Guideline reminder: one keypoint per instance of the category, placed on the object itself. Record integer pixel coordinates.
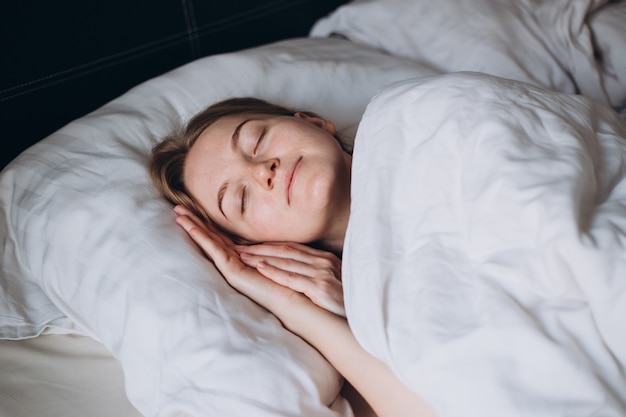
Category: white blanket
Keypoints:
(485, 259)
(569, 46)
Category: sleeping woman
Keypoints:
(477, 234)
(265, 192)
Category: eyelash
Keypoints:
(244, 197)
(258, 143)
(244, 191)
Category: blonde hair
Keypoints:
(168, 157)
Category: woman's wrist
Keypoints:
(297, 313)
(332, 337)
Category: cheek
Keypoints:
(263, 220)
(318, 192)
(271, 223)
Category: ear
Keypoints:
(324, 124)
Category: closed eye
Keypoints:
(258, 143)
(244, 198)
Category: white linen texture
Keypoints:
(485, 257)
(89, 245)
(569, 46)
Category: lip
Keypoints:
(289, 180)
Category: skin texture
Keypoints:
(312, 272)
(286, 179)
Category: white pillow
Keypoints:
(86, 239)
(545, 42)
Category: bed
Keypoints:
(109, 309)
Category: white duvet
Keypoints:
(565, 45)
(485, 259)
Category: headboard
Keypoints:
(62, 60)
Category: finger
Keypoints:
(326, 294)
(291, 250)
(213, 244)
(193, 230)
(292, 280)
(221, 252)
(314, 287)
(248, 281)
(180, 209)
(287, 246)
(184, 211)
(209, 227)
(295, 266)
(188, 223)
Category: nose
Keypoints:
(265, 173)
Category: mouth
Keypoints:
(289, 180)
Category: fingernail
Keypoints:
(247, 259)
(240, 248)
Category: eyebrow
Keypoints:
(234, 140)
(234, 143)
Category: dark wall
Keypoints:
(62, 59)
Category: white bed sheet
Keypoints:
(485, 258)
(70, 375)
(61, 376)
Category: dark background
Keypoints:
(62, 59)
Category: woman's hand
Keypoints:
(221, 250)
(294, 267)
(312, 272)
(327, 332)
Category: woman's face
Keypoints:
(271, 178)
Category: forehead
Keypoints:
(205, 157)
(212, 140)
(221, 124)
(208, 160)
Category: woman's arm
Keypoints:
(331, 335)
(327, 332)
